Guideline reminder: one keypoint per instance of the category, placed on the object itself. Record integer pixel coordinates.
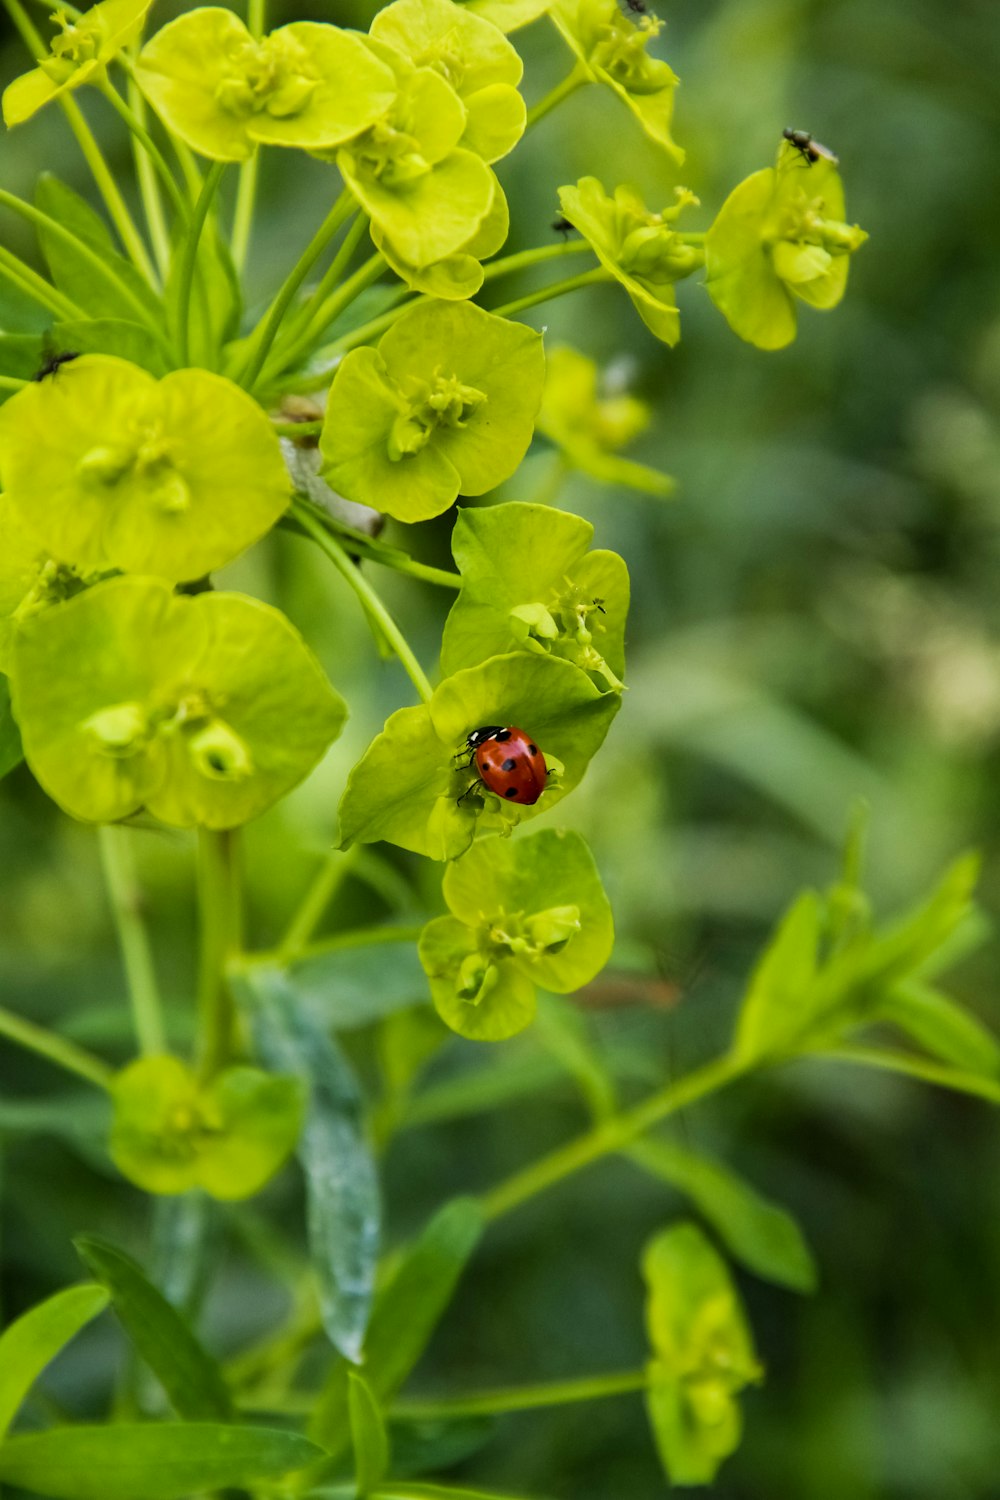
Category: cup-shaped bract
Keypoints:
(475, 58)
(524, 912)
(23, 566)
(80, 50)
(641, 249)
(508, 15)
(414, 787)
(459, 275)
(780, 237)
(589, 427)
(444, 405)
(703, 1354)
(425, 192)
(223, 91)
(203, 710)
(530, 583)
(111, 468)
(611, 45)
(170, 1132)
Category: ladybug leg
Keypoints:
(473, 785)
(471, 757)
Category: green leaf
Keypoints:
(776, 1005)
(191, 1378)
(353, 987)
(27, 1345)
(940, 1026)
(341, 1179)
(215, 304)
(21, 356)
(405, 1489)
(756, 1231)
(368, 1433)
(161, 1461)
(407, 1311)
(71, 275)
(121, 337)
(11, 753)
(566, 1032)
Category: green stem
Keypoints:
(266, 331)
(919, 1068)
(370, 330)
(108, 188)
(149, 187)
(246, 197)
(357, 544)
(149, 146)
(611, 1135)
(9, 383)
(526, 258)
(221, 939)
(126, 908)
(306, 316)
(369, 598)
(328, 879)
(335, 305)
(362, 937)
(298, 429)
(546, 293)
(573, 81)
(56, 1049)
(92, 258)
(521, 1397)
(199, 214)
(36, 287)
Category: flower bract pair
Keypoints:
(78, 54)
(204, 709)
(525, 912)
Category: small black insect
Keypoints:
(810, 150)
(637, 7)
(561, 226)
(52, 363)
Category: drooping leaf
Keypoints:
(341, 1179)
(756, 1231)
(28, 1344)
(191, 1378)
(368, 1433)
(158, 1461)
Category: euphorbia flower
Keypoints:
(82, 47)
(459, 275)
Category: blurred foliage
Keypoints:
(815, 617)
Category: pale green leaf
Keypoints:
(27, 1345)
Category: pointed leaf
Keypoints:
(941, 1026)
(70, 273)
(776, 1003)
(191, 1378)
(28, 1345)
(371, 1442)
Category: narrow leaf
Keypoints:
(776, 1006)
(409, 1490)
(157, 1461)
(941, 1026)
(756, 1231)
(74, 276)
(191, 1378)
(342, 1184)
(37, 1337)
(371, 1442)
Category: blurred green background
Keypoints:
(815, 618)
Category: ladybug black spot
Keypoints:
(511, 791)
(509, 765)
(532, 749)
(502, 734)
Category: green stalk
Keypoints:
(149, 187)
(246, 197)
(546, 293)
(301, 323)
(921, 1068)
(328, 879)
(526, 258)
(370, 330)
(126, 908)
(358, 545)
(297, 429)
(266, 331)
(611, 1135)
(369, 598)
(108, 188)
(336, 303)
(573, 81)
(220, 914)
(9, 383)
(37, 288)
(199, 214)
(56, 1049)
(358, 937)
(521, 1397)
(149, 146)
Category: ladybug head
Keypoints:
(479, 737)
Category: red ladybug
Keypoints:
(509, 763)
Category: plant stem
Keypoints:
(336, 303)
(56, 1049)
(525, 258)
(10, 383)
(573, 80)
(521, 1397)
(980, 1087)
(149, 146)
(369, 598)
(36, 287)
(126, 908)
(357, 544)
(197, 223)
(362, 937)
(370, 330)
(149, 187)
(611, 1135)
(545, 293)
(246, 196)
(307, 313)
(298, 429)
(113, 200)
(328, 879)
(221, 936)
(266, 331)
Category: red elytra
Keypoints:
(509, 762)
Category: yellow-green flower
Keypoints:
(81, 48)
(459, 275)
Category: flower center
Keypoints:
(274, 76)
(426, 405)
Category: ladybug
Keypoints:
(509, 763)
(811, 151)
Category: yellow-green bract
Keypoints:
(703, 1354)
(509, 15)
(171, 1133)
(111, 468)
(77, 55)
(223, 91)
(641, 249)
(530, 583)
(460, 274)
(446, 403)
(780, 236)
(204, 710)
(524, 912)
(409, 787)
